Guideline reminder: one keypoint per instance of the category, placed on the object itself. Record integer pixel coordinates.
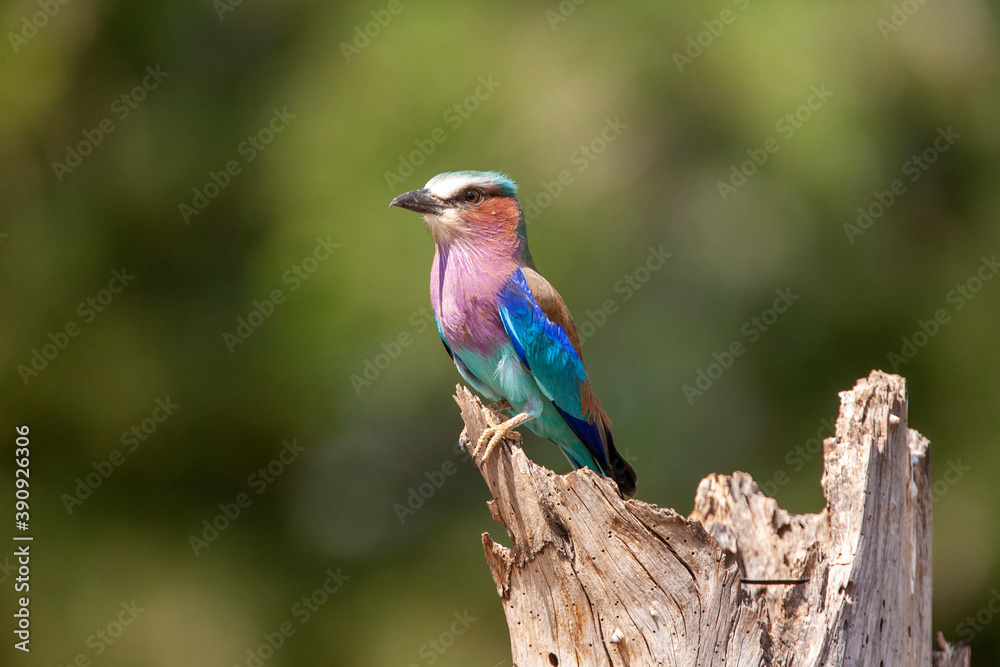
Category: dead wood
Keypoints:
(591, 579)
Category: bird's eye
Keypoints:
(473, 195)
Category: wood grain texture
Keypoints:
(591, 579)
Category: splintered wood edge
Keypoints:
(877, 389)
(501, 564)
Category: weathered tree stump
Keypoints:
(592, 579)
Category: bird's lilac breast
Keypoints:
(464, 292)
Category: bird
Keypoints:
(508, 331)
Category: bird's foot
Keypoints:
(499, 407)
(494, 433)
(489, 415)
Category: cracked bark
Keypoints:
(591, 579)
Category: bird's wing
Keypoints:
(545, 338)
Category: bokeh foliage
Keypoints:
(360, 112)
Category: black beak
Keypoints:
(420, 201)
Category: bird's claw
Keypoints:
(490, 415)
(494, 433)
(490, 436)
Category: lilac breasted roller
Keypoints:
(506, 328)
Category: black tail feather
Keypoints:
(620, 471)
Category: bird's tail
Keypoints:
(620, 471)
(596, 450)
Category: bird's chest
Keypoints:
(470, 321)
(465, 303)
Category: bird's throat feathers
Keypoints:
(495, 227)
(478, 257)
(471, 268)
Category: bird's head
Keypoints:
(469, 207)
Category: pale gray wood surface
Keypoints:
(591, 579)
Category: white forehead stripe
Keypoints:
(447, 186)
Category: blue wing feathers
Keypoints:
(509, 327)
(542, 345)
(589, 435)
(546, 350)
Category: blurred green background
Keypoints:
(218, 152)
